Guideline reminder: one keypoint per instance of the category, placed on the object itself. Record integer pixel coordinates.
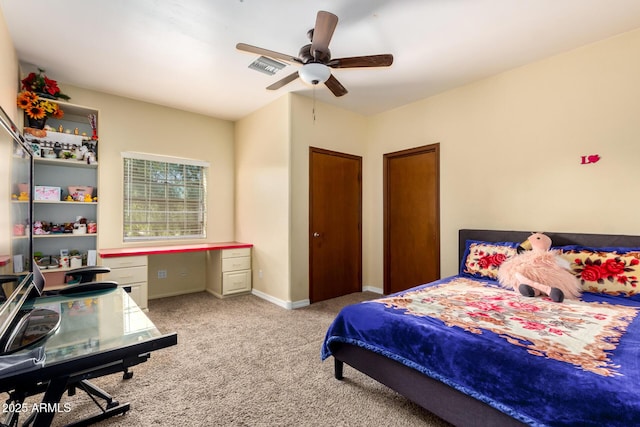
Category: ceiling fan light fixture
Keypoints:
(314, 73)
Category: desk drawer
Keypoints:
(235, 282)
(138, 292)
(238, 252)
(125, 261)
(127, 275)
(234, 264)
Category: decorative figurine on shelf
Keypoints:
(80, 226)
(87, 198)
(57, 148)
(94, 126)
(68, 198)
(81, 152)
(23, 197)
(39, 228)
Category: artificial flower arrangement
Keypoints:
(35, 99)
(38, 108)
(42, 85)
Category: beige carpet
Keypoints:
(246, 362)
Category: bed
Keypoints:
(476, 354)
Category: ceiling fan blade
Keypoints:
(362, 61)
(335, 86)
(266, 52)
(284, 81)
(323, 31)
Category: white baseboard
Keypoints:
(300, 304)
(292, 305)
(372, 289)
(289, 305)
(175, 293)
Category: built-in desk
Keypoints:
(228, 267)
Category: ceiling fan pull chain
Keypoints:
(313, 110)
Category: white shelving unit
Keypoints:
(64, 173)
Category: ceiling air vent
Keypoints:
(266, 65)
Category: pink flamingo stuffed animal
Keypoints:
(539, 271)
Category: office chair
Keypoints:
(85, 274)
(83, 279)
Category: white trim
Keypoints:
(277, 301)
(164, 159)
(300, 304)
(173, 294)
(292, 305)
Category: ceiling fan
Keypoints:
(315, 58)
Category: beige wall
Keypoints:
(511, 149)
(185, 274)
(129, 125)
(333, 129)
(272, 187)
(8, 91)
(262, 160)
(8, 71)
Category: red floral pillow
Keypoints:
(604, 271)
(482, 259)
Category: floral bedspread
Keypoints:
(544, 363)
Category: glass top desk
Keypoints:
(100, 333)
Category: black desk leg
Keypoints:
(50, 402)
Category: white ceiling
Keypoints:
(181, 53)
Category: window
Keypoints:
(164, 197)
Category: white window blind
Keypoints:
(164, 197)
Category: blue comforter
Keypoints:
(543, 363)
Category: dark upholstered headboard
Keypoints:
(558, 239)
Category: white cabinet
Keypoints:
(130, 272)
(229, 272)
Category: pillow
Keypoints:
(482, 259)
(612, 270)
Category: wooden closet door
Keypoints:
(335, 217)
(411, 218)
